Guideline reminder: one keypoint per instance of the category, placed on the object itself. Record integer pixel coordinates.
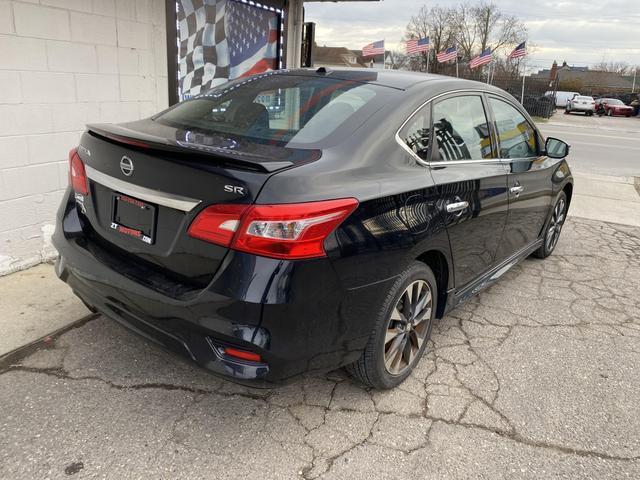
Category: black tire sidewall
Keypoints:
(416, 271)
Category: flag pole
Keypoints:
(428, 52)
(458, 76)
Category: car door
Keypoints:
(471, 183)
(528, 176)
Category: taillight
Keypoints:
(77, 174)
(290, 231)
(218, 223)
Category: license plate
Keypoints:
(134, 218)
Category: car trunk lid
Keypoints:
(148, 182)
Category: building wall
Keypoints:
(65, 63)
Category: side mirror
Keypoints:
(556, 148)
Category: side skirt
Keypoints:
(492, 276)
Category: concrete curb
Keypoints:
(10, 358)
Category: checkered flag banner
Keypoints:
(221, 40)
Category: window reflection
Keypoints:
(461, 130)
(517, 138)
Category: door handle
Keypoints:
(517, 190)
(457, 207)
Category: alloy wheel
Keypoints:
(555, 225)
(408, 327)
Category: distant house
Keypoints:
(584, 79)
(338, 57)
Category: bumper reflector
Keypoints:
(242, 354)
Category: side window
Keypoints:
(516, 136)
(416, 133)
(460, 128)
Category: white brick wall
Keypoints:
(63, 64)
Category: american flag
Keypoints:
(482, 59)
(448, 54)
(519, 51)
(253, 39)
(375, 48)
(220, 40)
(417, 45)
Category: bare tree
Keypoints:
(396, 60)
(465, 30)
(436, 24)
(482, 25)
(622, 68)
(495, 29)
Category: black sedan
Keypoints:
(306, 220)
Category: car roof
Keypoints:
(398, 79)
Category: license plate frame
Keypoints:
(133, 217)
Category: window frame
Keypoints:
(490, 126)
(538, 137)
(453, 93)
(428, 106)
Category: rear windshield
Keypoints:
(287, 110)
(613, 101)
(585, 98)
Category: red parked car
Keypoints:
(613, 106)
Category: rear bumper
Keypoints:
(295, 315)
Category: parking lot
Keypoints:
(535, 378)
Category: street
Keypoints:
(599, 145)
(534, 378)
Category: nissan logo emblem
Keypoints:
(126, 166)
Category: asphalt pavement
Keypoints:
(599, 145)
(537, 377)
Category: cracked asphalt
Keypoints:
(537, 377)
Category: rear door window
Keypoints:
(461, 130)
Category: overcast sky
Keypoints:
(582, 32)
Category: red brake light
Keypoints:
(77, 174)
(287, 231)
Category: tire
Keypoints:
(399, 328)
(553, 227)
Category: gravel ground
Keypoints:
(537, 377)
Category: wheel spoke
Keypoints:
(406, 351)
(407, 327)
(422, 305)
(392, 353)
(390, 334)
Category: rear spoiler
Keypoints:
(142, 141)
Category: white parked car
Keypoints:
(581, 103)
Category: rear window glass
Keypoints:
(585, 98)
(288, 110)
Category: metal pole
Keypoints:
(522, 92)
(633, 88)
(428, 52)
(457, 66)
